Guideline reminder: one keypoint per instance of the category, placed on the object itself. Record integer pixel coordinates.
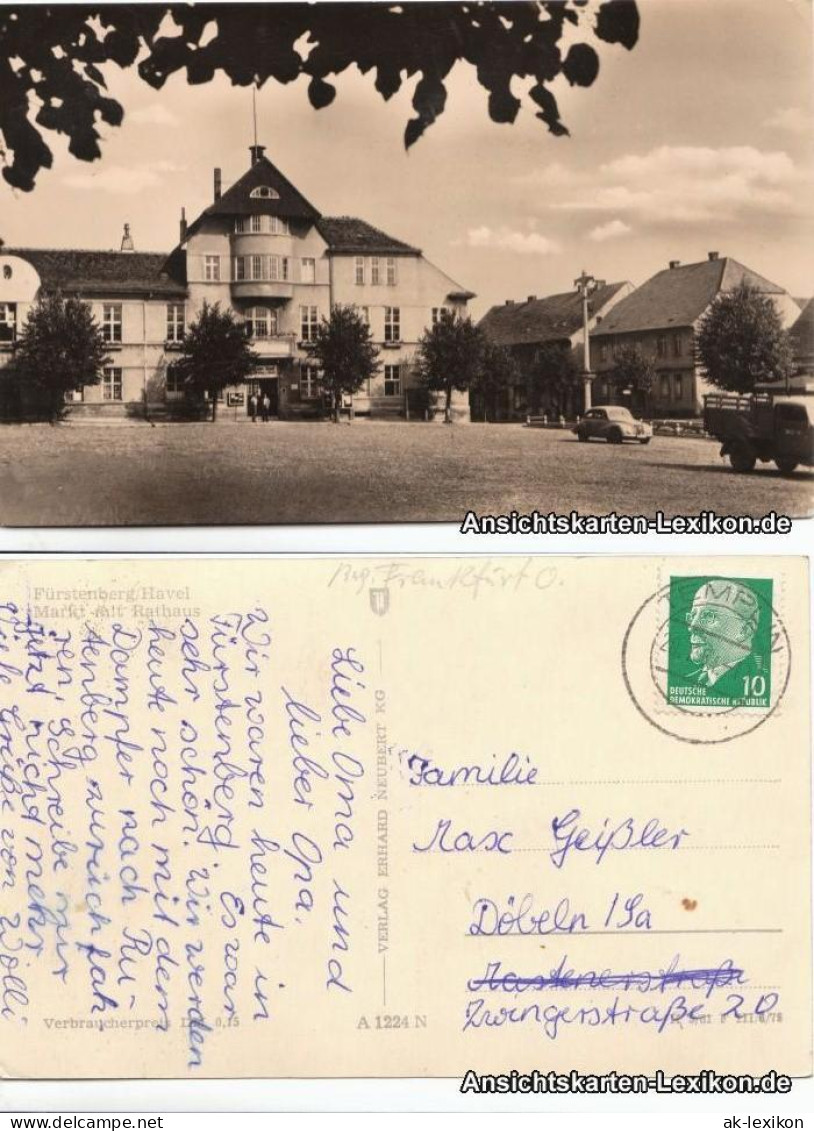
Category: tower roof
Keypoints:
(283, 199)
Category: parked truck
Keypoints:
(762, 426)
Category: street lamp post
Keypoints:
(586, 285)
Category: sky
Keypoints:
(698, 139)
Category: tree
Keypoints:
(554, 378)
(741, 341)
(344, 351)
(215, 353)
(498, 372)
(51, 57)
(450, 356)
(632, 370)
(60, 349)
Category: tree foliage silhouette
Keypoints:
(741, 341)
(51, 58)
(60, 349)
(215, 353)
(344, 351)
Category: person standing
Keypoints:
(253, 407)
(266, 403)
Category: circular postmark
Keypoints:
(707, 659)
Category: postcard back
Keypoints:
(404, 817)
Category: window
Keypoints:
(175, 383)
(260, 267)
(175, 322)
(112, 322)
(264, 192)
(212, 268)
(392, 380)
(392, 324)
(309, 323)
(308, 271)
(664, 385)
(8, 321)
(661, 346)
(375, 272)
(364, 314)
(112, 383)
(438, 313)
(391, 272)
(278, 268)
(360, 271)
(261, 223)
(678, 387)
(260, 322)
(309, 382)
(603, 351)
(677, 345)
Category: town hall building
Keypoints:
(263, 250)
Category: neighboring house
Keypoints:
(139, 305)
(264, 250)
(524, 328)
(801, 336)
(661, 318)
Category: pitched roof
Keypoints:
(347, 235)
(801, 334)
(678, 296)
(109, 272)
(550, 319)
(238, 200)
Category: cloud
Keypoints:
(506, 239)
(123, 180)
(156, 114)
(686, 183)
(790, 118)
(610, 231)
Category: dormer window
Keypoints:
(264, 192)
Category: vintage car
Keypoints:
(612, 423)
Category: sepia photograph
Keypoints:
(371, 263)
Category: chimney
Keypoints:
(127, 240)
(257, 152)
(509, 302)
(531, 298)
(712, 256)
(674, 263)
(183, 232)
(218, 184)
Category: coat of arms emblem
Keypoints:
(380, 601)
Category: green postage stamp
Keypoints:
(719, 642)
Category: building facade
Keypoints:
(661, 318)
(263, 250)
(529, 329)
